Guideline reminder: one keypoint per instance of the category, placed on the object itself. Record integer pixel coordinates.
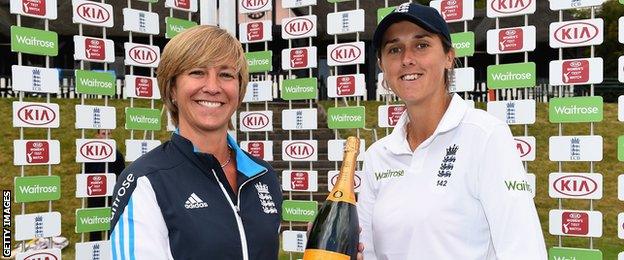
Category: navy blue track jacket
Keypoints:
(175, 203)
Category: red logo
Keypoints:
(96, 185)
(96, 150)
(93, 13)
(39, 256)
(575, 71)
(345, 85)
(143, 87)
(394, 113)
(510, 6)
(255, 120)
(298, 26)
(575, 223)
(299, 180)
(523, 147)
(186, 4)
(452, 9)
(356, 180)
(142, 55)
(36, 114)
(37, 152)
(34, 7)
(95, 49)
(299, 150)
(256, 149)
(299, 58)
(255, 31)
(510, 39)
(345, 53)
(575, 185)
(254, 4)
(576, 33)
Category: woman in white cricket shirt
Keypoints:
(436, 187)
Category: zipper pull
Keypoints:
(237, 209)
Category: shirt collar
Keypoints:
(452, 117)
(244, 164)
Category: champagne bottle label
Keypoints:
(317, 254)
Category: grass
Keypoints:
(609, 128)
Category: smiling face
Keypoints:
(206, 98)
(413, 61)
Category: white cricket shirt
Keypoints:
(462, 194)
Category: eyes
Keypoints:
(398, 48)
(223, 73)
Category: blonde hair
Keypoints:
(199, 46)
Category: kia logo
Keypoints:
(36, 114)
(451, 2)
(96, 150)
(255, 120)
(298, 26)
(523, 147)
(510, 6)
(39, 256)
(575, 185)
(576, 33)
(93, 13)
(254, 4)
(356, 180)
(345, 53)
(142, 54)
(510, 32)
(299, 150)
(576, 64)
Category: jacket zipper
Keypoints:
(236, 209)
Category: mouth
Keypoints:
(411, 77)
(209, 104)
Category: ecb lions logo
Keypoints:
(446, 167)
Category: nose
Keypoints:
(408, 58)
(212, 85)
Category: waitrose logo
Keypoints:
(518, 186)
(512, 75)
(95, 220)
(300, 211)
(34, 41)
(575, 110)
(32, 189)
(389, 174)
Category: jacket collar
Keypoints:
(454, 114)
(244, 163)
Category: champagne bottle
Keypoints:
(335, 231)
